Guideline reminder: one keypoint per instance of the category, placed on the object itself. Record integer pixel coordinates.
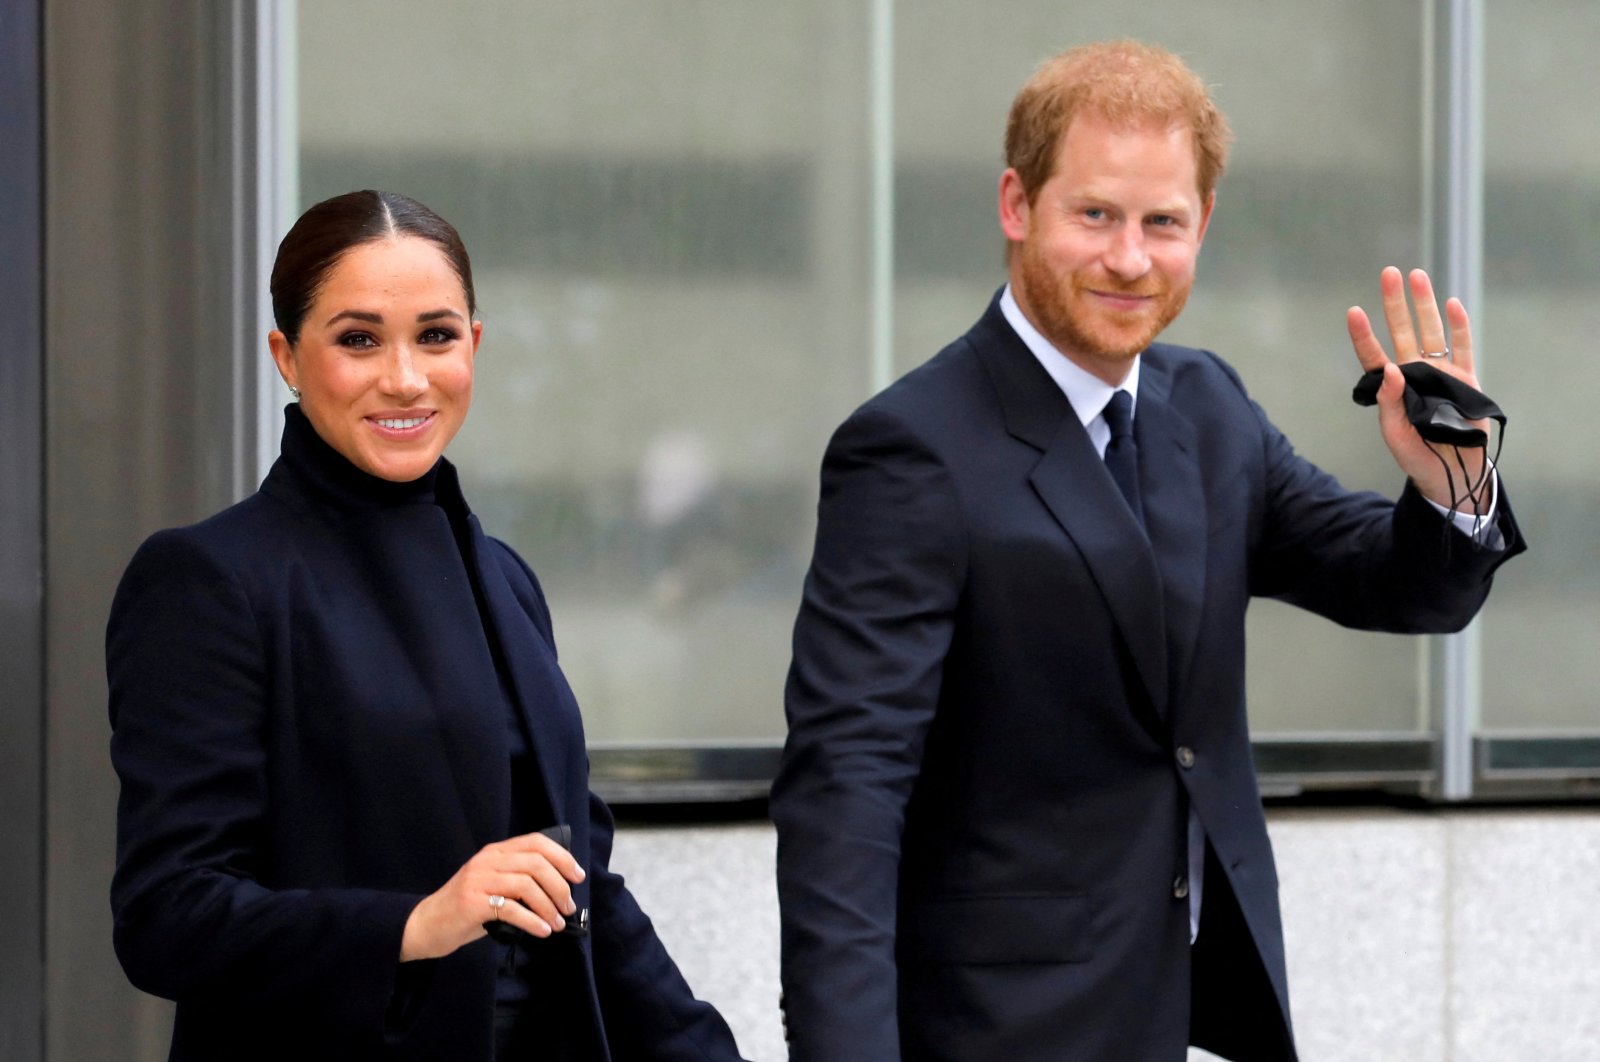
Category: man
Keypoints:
(1017, 815)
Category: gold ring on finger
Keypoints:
(495, 903)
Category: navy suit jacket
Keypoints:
(982, 803)
(311, 736)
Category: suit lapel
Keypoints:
(1174, 509)
(1074, 485)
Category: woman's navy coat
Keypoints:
(311, 737)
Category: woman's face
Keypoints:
(384, 359)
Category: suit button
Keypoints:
(1180, 887)
(1185, 757)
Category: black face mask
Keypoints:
(1437, 404)
(1440, 407)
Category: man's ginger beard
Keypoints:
(1064, 310)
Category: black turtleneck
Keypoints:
(343, 486)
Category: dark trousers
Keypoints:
(554, 1025)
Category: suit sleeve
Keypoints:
(1362, 560)
(648, 1008)
(189, 688)
(875, 624)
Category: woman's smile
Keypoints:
(402, 427)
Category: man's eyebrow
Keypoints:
(358, 315)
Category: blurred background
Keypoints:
(703, 232)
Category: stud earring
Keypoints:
(294, 392)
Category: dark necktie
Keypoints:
(1122, 453)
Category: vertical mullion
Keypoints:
(243, 44)
(22, 782)
(276, 167)
(1456, 226)
(882, 284)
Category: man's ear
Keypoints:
(1205, 216)
(1014, 206)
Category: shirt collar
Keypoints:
(1086, 391)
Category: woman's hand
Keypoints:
(532, 872)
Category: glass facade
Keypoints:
(664, 205)
(1541, 273)
(1318, 197)
(674, 219)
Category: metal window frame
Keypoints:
(1450, 761)
(1440, 763)
(1453, 214)
(22, 660)
(152, 134)
(274, 162)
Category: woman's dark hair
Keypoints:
(332, 227)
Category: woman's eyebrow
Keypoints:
(359, 315)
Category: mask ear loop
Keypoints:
(1478, 492)
(1475, 492)
(1472, 491)
(1446, 542)
(1486, 480)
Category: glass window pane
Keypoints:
(1323, 190)
(665, 206)
(1541, 272)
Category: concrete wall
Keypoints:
(1413, 936)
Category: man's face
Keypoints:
(1106, 251)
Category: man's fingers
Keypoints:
(1398, 315)
(1393, 386)
(1460, 337)
(1391, 407)
(1368, 350)
(1430, 325)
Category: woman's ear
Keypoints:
(283, 356)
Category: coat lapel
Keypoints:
(1074, 485)
(537, 685)
(1174, 510)
(1072, 482)
(409, 551)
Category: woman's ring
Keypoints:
(1445, 353)
(497, 902)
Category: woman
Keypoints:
(340, 726)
